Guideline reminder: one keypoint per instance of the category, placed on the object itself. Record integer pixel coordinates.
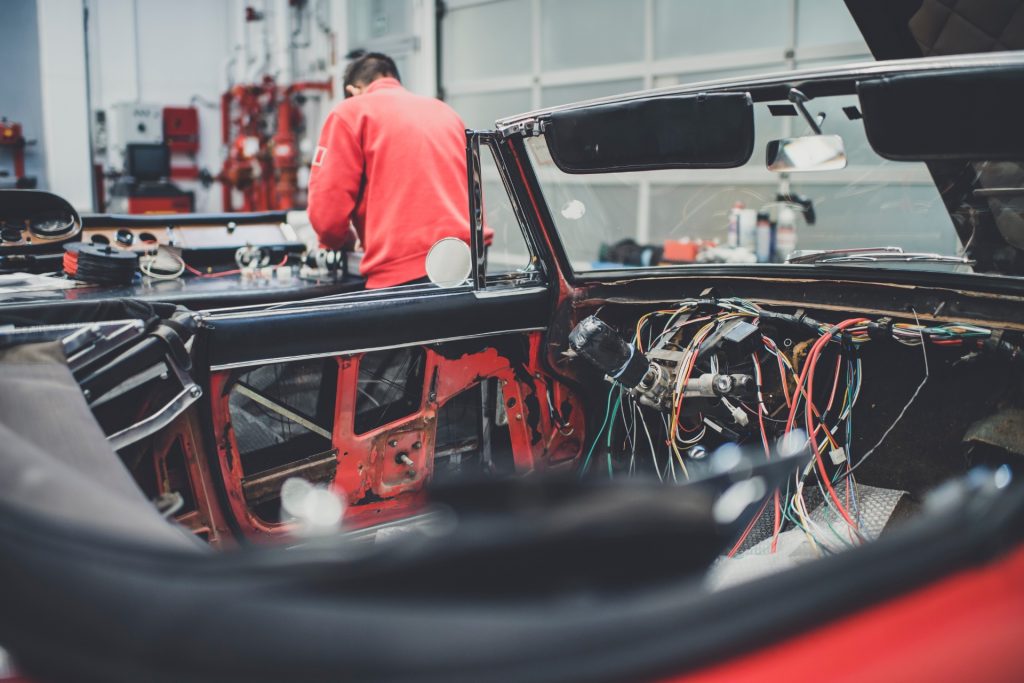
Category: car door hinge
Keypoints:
(528, 128)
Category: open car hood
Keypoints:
(905, 29)
(901, 29)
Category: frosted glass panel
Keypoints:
(508, 251)
(919, 221)
(908, 215)
(564, 94)
(480, 111)
(700, 211)
(599, 214)
(578, 33)
(481, 41)
(697, 27)
(374, 19)
(694, 77)
(825, 23)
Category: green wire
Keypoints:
(597, 437)
(618, 402)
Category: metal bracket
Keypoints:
(799, 99)
(189, 394)
(80, 342)
(528, 128)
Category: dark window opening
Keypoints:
(283, 413)
(473, 437)
(390, 387)
(457, 447)
(283, 420)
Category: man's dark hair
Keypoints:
(366, 67)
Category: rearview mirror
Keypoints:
(808, 153)
(449, 262)
(707, 130)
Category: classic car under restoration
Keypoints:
(607, 463)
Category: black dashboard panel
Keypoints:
(326, 329)
(33, 221)
(36, 228)
(194, 293)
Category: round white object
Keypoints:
(449, 262)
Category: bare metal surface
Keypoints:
(1004, 430)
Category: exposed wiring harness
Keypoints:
(799, 404)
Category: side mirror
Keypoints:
(449, 262)
(808, 153)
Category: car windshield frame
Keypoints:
(816, 83)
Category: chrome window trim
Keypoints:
(510, 124)
(350, 352)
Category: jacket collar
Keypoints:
(382, 84)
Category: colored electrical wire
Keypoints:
(673, 336)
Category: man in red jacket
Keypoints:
(393, 165)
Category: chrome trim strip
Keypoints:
(354, 295)
(212, 316)
(303, 306)
(158, 420)
(349, 352)
(855, 69)
(499, 293)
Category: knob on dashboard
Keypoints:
(35, 220)
(125, 237)
(10, 235)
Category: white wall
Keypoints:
(65, 123)
(182, 52)
(504, 57)
(403, 29)
(169, 54)
(20, 92)
(186, 52)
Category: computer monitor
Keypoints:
(147, 161)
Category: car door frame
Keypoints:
(480, 321)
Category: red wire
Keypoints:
(807, 375)
(689, 371)
(777, 523)
(700, 421)
(784, 378)
(812, 363)
(835, 384)
(199, 273)
(750, 527)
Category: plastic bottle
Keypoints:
(733, 236)
(763, 248)
(748, 227)
(785, 239)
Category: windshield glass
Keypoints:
(674, 217)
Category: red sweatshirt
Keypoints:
(394, 164)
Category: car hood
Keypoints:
(901, 29)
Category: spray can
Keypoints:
(748, 227)
(763, 244)
(733, 236)
(785, 239)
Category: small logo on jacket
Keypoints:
(318, 158)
